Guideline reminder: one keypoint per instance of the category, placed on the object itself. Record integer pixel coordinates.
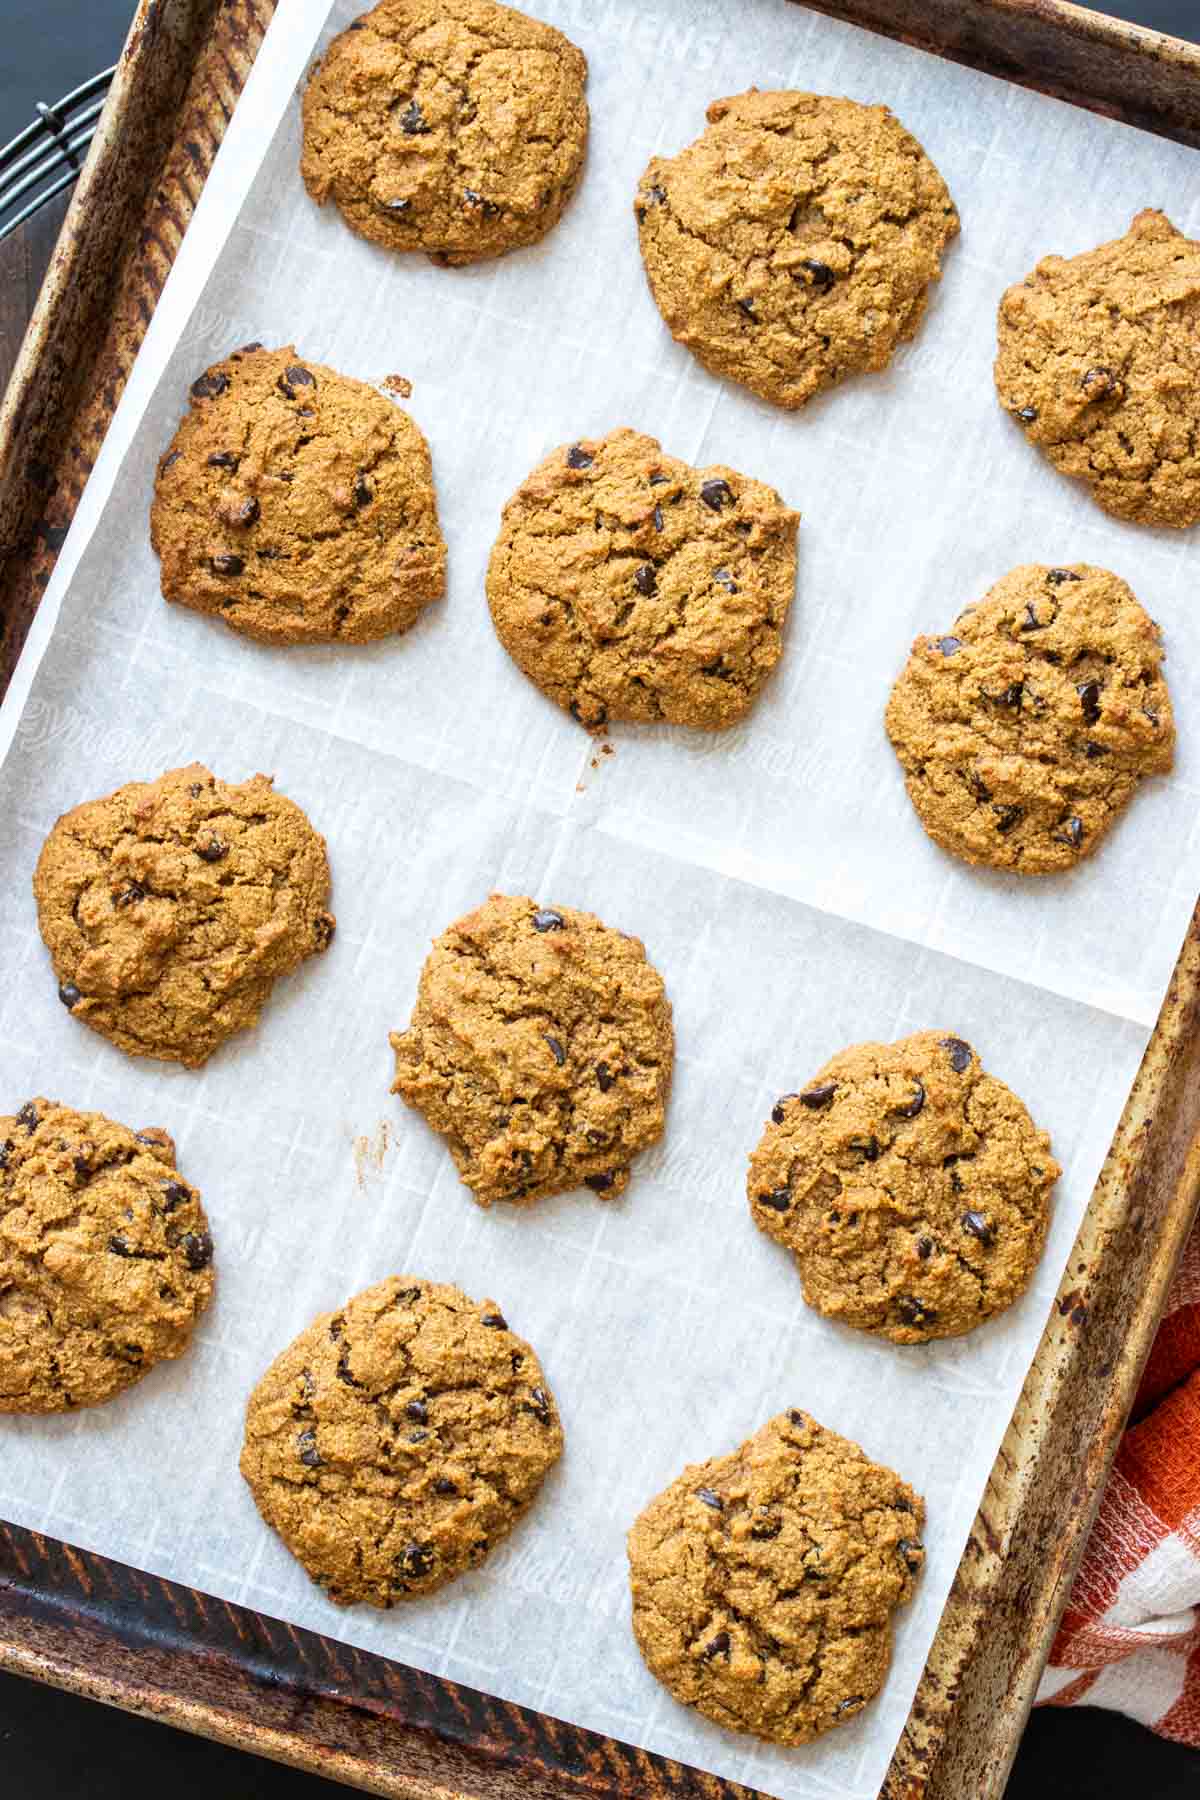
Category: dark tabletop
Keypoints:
(52, 1744)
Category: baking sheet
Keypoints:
(776, 873)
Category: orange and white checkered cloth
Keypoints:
(1130, 1637)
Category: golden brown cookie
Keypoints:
(105, 1257)
(764, 1582)
(456, 127)
(628, 585)
(795, 241)
(1024, 731)
(1099, 362)
(912, 1188)
(297, 505)
(393, 1443)
(541, 1048)
(171, 907)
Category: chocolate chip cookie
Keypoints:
(794, 243)
(628, 585)
(912, 1188)
(105, 1257)
(541, 1048)
(456, 127)
(297, 505)
(1099, 363)
(394, 1442)
(764, 1582)
(1024, 731)
(171, 907)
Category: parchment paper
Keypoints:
(777, 874)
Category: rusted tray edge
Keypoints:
(959, 1712)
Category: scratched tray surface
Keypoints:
(661, 1345)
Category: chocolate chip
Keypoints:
(913, 1552)
(418, 1412)
(925, 1248)
(306, 1445)
(324, 926)
(1026, 414)
(443, 1485)
(779, 1200)
(655, 196)
(488, 208)
(170, 459)
(979, 1227)
(768, 1526)
(412, 120)
(1070, 832)
(867, 1148)
(821, 275)
(538, 1404)
(395, 206)
(209, 385)
(658, 518)
(130, 894)
(657, 479)
(949, 645)
(716, 494)
(710, 1499)
(28, 1117)
(1056, 577)
(197, 1247)
(914, 1105)
(605, 1079)
(1092, 750)
(599, 1184)
(716, 1646)
(914, 1311)
(174, 1194)
(494, 1321)
(343, 1368)
(556, 1050)
(1152, 716)
(778, 1110)
(119, 1244)
(644, 580)
(1032, 622)
(1101, 383)
(69, 994)
(978, 786)
(1007, 818)
(579, 458)
(247, 513)
(959, 1052)
(545, 919)
(225, 564)
(747, 307)
(1009, 697)
(817, 1097)
(363, 493)
(854, 1702)
(299, 376)
(1089, 700)
(212, 849)
(724, 579)
(416, 1559)
(222, 459)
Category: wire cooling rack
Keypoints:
(48, 155)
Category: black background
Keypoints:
(52, 1744)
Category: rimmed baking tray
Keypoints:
(100, 1628)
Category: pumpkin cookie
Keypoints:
(171, 907)
(764, 1582)
(628, 585)
(1099, 362)
(297, 505)
(794, 243)
(456, 127)
(1024, 731)
(541, 1048)
(105, 1257)
(396, 1441)
(912, 1188)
